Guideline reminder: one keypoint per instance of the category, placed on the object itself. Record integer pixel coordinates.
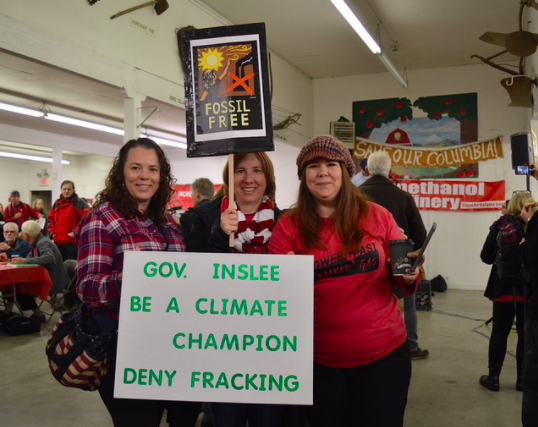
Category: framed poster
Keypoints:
(429, 122)
(227, 90)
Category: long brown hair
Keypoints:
(351, 206)
(267, 167)
(116, 193)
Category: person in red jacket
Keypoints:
(64, 217)
(19, 212)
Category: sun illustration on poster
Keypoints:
(211, 59)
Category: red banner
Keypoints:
(436, 195)
(182, 197)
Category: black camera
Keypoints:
(524, 170)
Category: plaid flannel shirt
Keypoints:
(102, 238)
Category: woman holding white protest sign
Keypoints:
(129, 215)
(251, 221)
(362, 364)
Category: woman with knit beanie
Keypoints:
(362, 364)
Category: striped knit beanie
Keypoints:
(325, 147)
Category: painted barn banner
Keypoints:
(437, 122)
(227, 90)
(438, 195)
(452, 156)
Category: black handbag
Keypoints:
(77, 348)
(16, 324)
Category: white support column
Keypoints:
(56, 172)
(132, 105)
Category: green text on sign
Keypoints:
(246, 272)
(148, 376)
(164, 269)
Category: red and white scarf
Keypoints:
(253, 235)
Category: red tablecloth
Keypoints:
(32, 280)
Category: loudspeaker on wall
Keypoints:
(520, 146)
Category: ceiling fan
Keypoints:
(519, 43)
(530, 3)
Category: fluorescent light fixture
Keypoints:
(80, 123)
(28, 157)
(352, 20)
(83, 123)
(20, 110)
(390, 66)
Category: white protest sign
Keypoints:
(216, 328)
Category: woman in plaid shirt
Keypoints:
(129, 215)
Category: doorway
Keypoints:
(45, 195)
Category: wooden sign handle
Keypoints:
(231, 173)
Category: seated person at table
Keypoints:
(13, 245)
(46, 254)
(18, 247)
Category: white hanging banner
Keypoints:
(216, 328)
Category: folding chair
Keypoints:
(69, 298)
(9, 291)
(65, 299)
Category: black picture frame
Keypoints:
(227, 95)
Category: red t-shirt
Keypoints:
(356, 314)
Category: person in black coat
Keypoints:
(403, 208)
(529, 247)
(508, 297)
(202, 190)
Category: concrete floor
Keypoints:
(444, 388)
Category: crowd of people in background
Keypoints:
(30, 243)
(362, 358)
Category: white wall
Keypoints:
(20, 175)
(455, 248)
(88, 172)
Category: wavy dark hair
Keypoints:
(351, 207)
(116, 193)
